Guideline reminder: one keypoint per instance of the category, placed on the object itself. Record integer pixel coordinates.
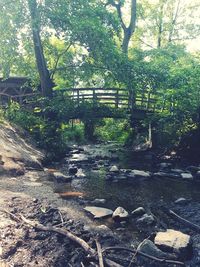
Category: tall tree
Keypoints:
(45, 80)
(130, 29)
(164, 22)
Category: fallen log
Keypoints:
(180, 219)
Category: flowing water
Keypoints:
(129, 195)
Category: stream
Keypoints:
(125, 193)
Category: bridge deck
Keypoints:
(139, 103)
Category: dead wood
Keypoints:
(145, 255)
(100, 255)
(61, 231)
(180, 219)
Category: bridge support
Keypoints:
(89, 128)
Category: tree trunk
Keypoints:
(127, 31)
(45, 80)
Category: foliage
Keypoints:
(113, 130)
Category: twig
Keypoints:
(136, 252)
(61, 217)
(145, 255)
(182, 220)
(99, 251)
(64, 232)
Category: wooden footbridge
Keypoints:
(138, 104)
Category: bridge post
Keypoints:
(78, 97)
(117, 99)
(94, 96)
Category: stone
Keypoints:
(181, 201)
(61, 178)
(122, 177)
(72, 169)
(98, 201)
(151, 249)
(160, 174)
(120, 214)
(174, 241)
(146, 220)
(138, 212)
(141, 174)
(177, 171)
(78, 158)
(187, 176)
(125, 170)
(104, 229)
(174, 175)
(114, 169)
(80, 174)
(165, 165)
(193, 169)
(98, 212)
(197, 175)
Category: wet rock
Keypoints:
(174, 241)
(122, 177)
(146, 220)
(98, 212)
(187, 176)
(177, 171)
(165, 165)
(160, 174)
(98, 201)
(138, 212)
(61, 178)
(181, 201)
(193, 169)
(114, 169)
(72, 169)
(197, 176)
(80, 174)
(151, 249)
(78, 158)
(173, 175)
(125, 170)
(141, 174)
(120, 214)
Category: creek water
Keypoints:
(129, 195)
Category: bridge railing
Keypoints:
(120, 98)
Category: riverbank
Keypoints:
(36, 194)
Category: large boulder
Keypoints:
(174, 241)
(120, 214)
